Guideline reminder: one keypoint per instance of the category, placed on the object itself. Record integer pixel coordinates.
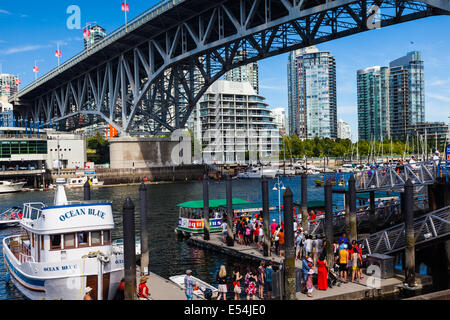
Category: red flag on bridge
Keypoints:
(87, 34)
(18, 81)
(58, 53)
(7, 88)
(125, 7)
(35, 69)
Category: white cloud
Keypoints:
(23, 49)
(438, 97)
(5, 12)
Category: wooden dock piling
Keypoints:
(129, 249)
(352, 208)
(144, 230)
(266, 217)
(410, 263)
(329, 233)
(230, 211)
(87, 191)
(290, 285)
(304, 193)
(206, 229)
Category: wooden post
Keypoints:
(290, 286)
(129, 249)
(305, 221)
(372, 218)
(352, 208)
(87, 191)
(410, 262)
(347, 212)
(144, 230)
(230, 211)
(328, 227)
(206, 207)
(266, 217)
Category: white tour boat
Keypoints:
(63, 249)
(257, 173)
(10, 186)
(80, 182)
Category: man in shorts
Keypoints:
(343, 261)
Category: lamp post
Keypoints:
(278, 187)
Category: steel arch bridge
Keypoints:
(149, 76)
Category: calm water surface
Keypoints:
(169, 256)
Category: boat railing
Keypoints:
(26, 258)
(32, 210)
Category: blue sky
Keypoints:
(31, 31)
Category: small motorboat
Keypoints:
(118, 245)
(11, 217)
(199, 286)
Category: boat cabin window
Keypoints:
(69, 241)
(106, 237)
(83, 239)
(55, 242)
(96, 239)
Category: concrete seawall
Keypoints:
(130, 175)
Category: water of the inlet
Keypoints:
(169, 255)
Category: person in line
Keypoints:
(298, 246)
(250, 280)
(343, 238)
(308, 245)
(322, 273)
(222, 281)
(189, 285)
(260, 237)
(237, 276)
(343, 261)
(87, 295)
(305, 270)
(224, 230)
(143, 292)
(309, 282)
(276, 240)
(269, 271)
(261, 279)
(281, 242)
(273, 226)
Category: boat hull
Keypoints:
(67, 280)
(12, 188)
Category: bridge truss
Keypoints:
(149, 77)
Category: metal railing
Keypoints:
(429, 227)
(384, 216)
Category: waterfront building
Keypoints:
(344, 131)
(235, 125)
(373, 103)
(246, 73)
(92, 35)
(406, 94)
(281, 120)
(436, 134)
(312, 94)
(25, 147)
(8, 85)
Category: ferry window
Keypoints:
(55, 242)
(83, 239)
(106, 237)
(96, 239)
(69, 241)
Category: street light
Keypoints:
(278, 187)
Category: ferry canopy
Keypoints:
(215, 203)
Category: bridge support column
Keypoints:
(230, 211)
(266, 218)
(328, 227)
(290, 280)
(206, 207)
(410, 261)
(352, 208)
(304, 193)
(372, 219)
